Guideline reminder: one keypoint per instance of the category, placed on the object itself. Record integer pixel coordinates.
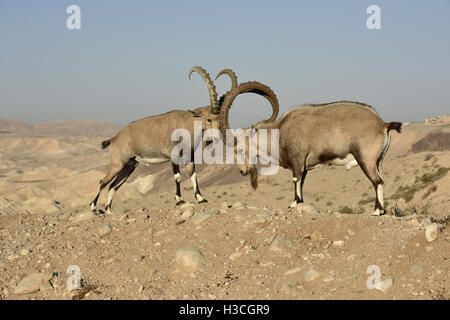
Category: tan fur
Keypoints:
(315, 134)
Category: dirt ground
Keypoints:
(244, 243)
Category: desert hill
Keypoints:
(251, 245)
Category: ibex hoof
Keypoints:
(202, 201)
(180, 202)
(92, 207)
(378, 212)
(292, 205)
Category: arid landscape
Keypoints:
(242, 244)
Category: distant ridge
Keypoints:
(60, 128)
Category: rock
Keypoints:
(24, 252)
(185, 215)
(104, 230)
(235, 255)
(185, 206)
(190, 259)
(239, 205)
(33, 283)
(305, 208)
(89, 215)
(431, 232)
(293, 271)
(338, 243)
(385, 284)
(280, 244)
(311, 275)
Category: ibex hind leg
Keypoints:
(114, 170)
(370, 169)
(119, 181)
(299, 176)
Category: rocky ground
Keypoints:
(242, 244)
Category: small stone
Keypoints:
(338, 243)
(351, 232)
(185, 206)
(293, 271)
(33, 283)
(185, 216)
(238, 205)
(89, 215)
(431, 232)
(190, 259)
(311, 275)
(235, 255)
(385, 284)
(429, 248)
(305, 208)
(141, 289)
(24, 252)
(104, 230)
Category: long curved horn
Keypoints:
(253, 87)
(211, 88)
(231, 74)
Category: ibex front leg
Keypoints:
(177, 177)
(197, 194)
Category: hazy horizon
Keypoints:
(131, 60)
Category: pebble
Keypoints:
(190, 259)
(305, 208)
(235, 255)
(385, 285)
(104, 230)
(33, 283)
(89, 215)
(431, 232)
(238, 205)
(311, 275)
(293, 271)
(24, 252)
(338, 243)
(185, 206)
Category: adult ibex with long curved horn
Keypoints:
(148, 141)
(310, 135)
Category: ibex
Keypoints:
(337, 132)
(148, 141)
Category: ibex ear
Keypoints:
(253, 131)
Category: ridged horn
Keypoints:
(247, 87)
(231, 74)
(211, 88)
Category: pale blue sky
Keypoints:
(131, 58)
